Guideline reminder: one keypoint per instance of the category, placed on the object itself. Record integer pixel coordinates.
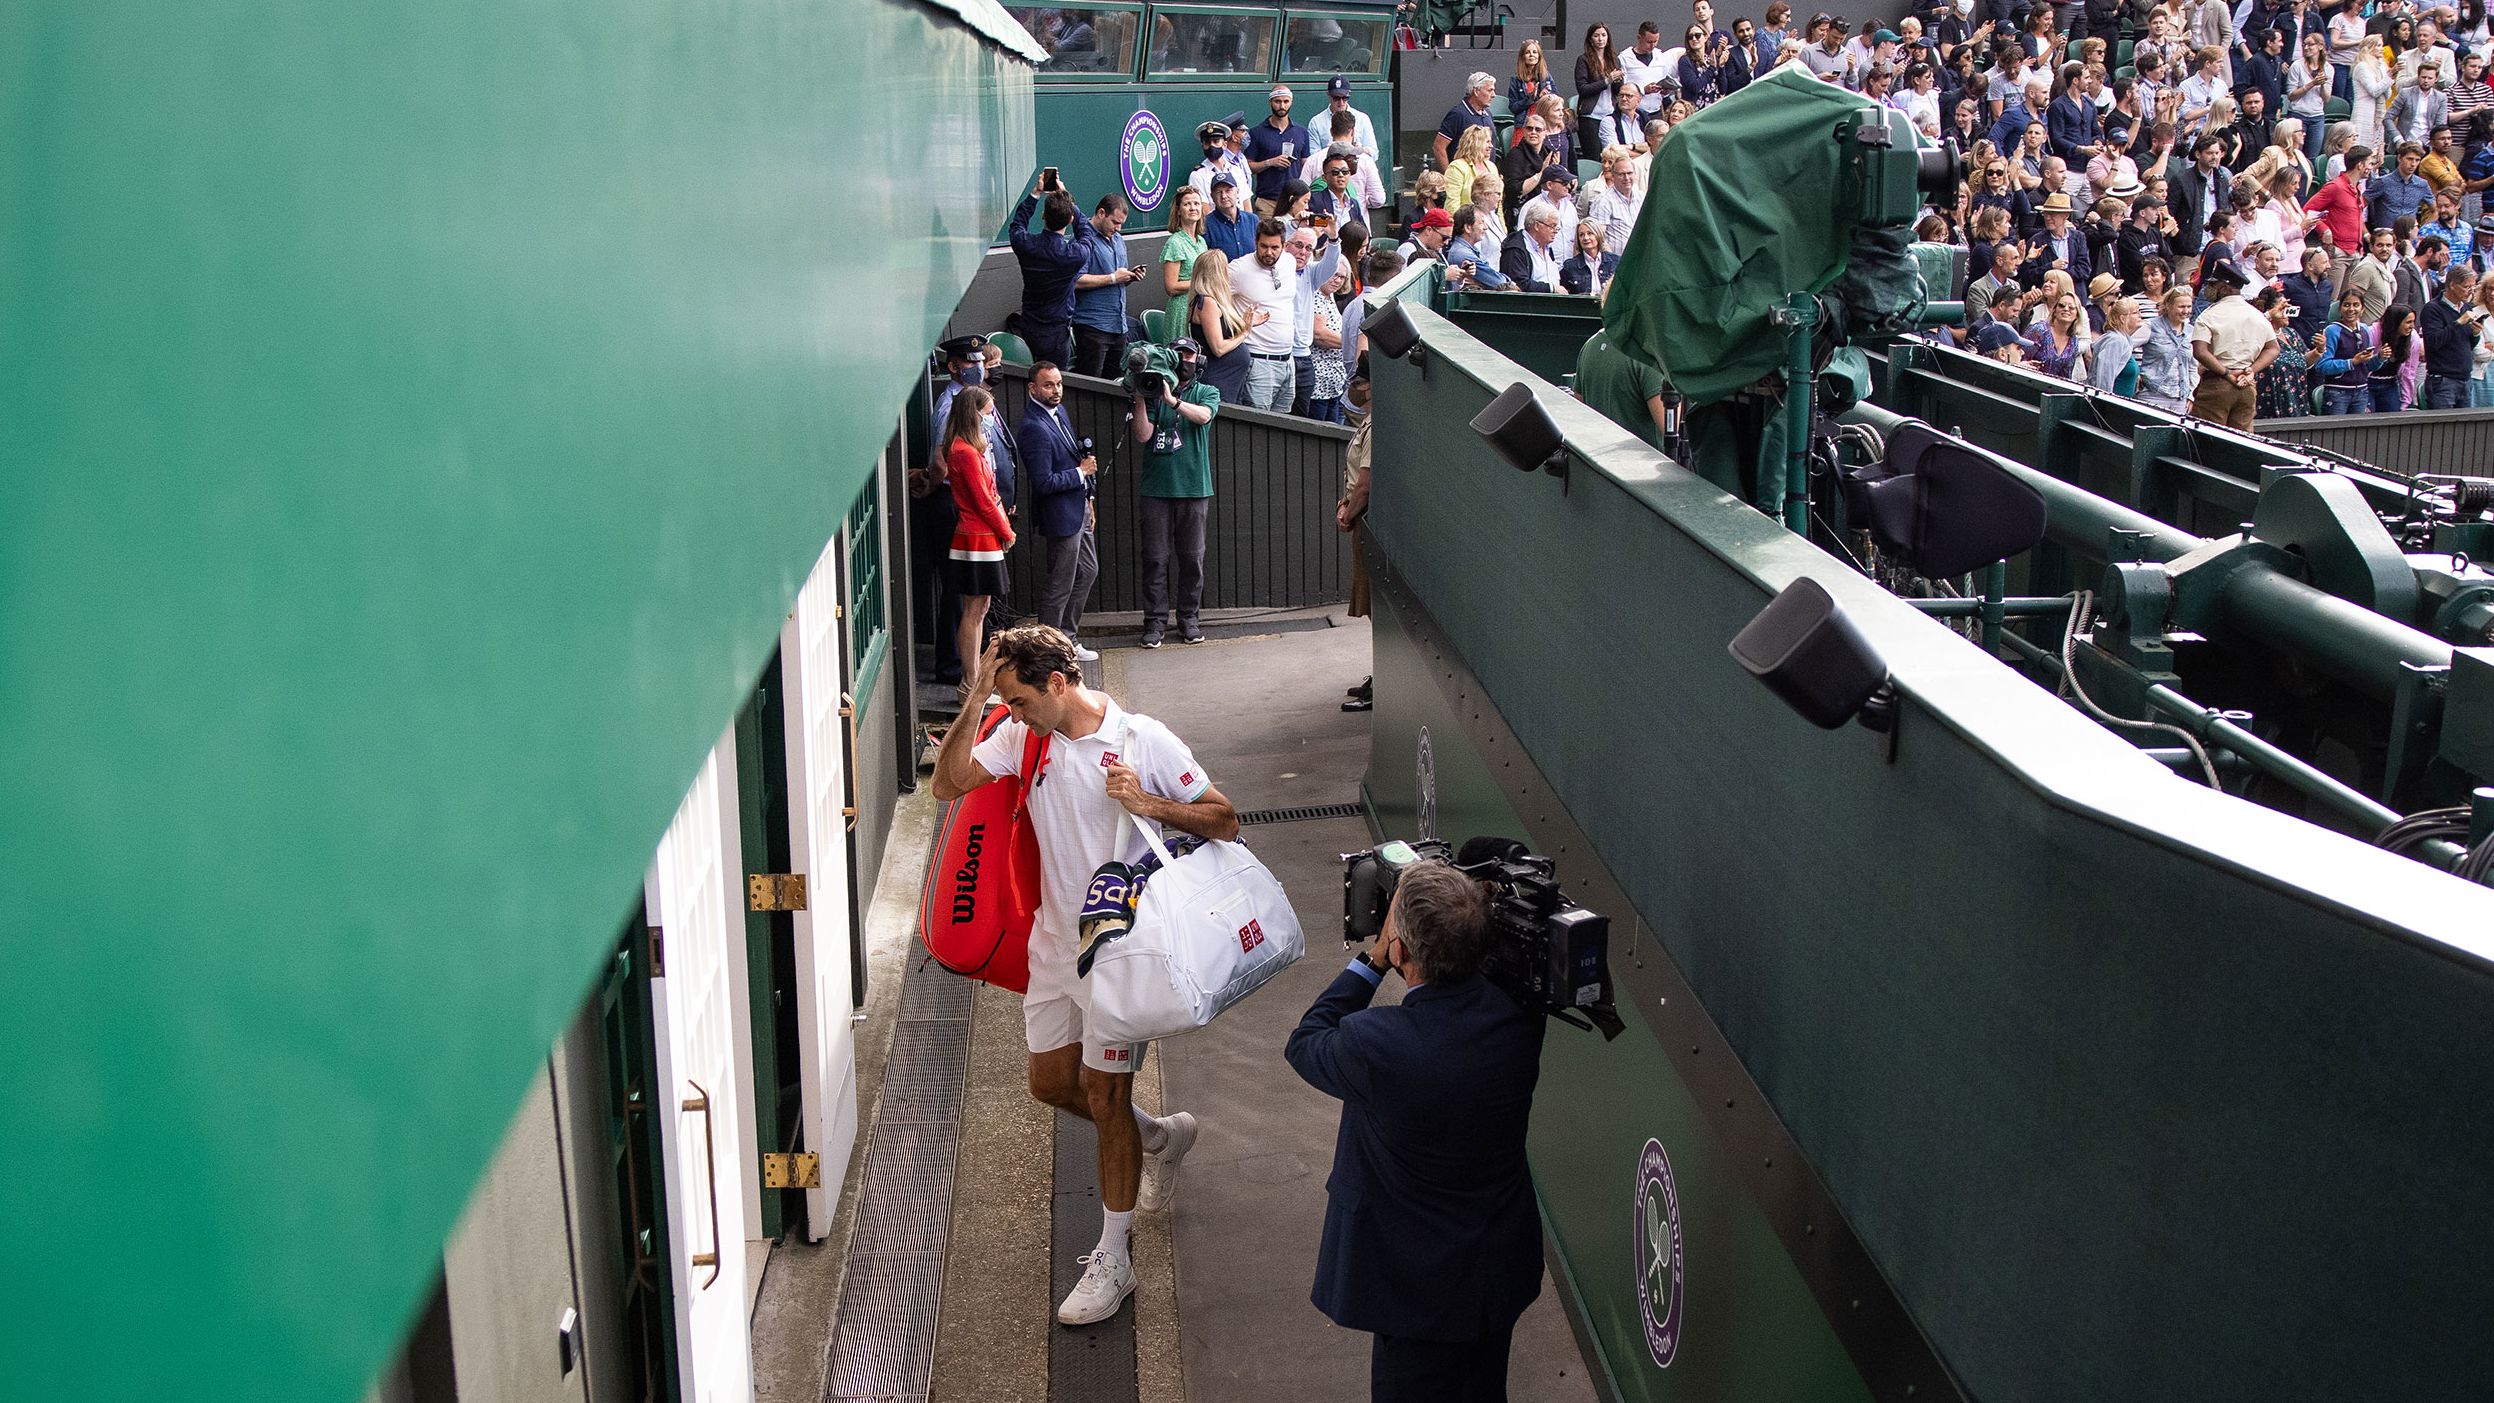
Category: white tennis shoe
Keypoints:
(1107, 1280)
(1160, 1167)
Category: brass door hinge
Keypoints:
(775, 891)
(657, 953)
(803, 1170)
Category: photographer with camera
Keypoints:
(1172, 413)
(1431, 1239)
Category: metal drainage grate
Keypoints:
(1090, 1363)
(1301, 815)
(883, 1344)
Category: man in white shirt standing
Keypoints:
(1105, 764)
(1643, 65)
(1269, 282)
(1313, 272)
(2206, 84)
(1826, 58)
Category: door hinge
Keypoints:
(775, 891)
(657, 953)
(802, 1170)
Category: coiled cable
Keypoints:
(2426, 825)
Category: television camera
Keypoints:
(1546, 952)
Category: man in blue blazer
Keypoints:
(2060, 245)
(1062, 471)
(1432, 1242)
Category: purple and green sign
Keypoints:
(1143, 161)
(1657, 1256)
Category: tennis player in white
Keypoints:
(1100, 764)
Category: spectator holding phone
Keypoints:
(1051, 260)
(1466, 259)
(1523, 165)
(1100, 293)
(1316, 258)
(1333, 203)
(2394, 375)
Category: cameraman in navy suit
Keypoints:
(1432, 1242)
(1063, 473)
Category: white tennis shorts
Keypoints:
(1056, 1012)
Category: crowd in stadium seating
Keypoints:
(2130, 165)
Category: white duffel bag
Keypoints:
(1211, 926)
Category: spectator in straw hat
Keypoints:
(2059, 245)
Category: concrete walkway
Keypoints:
(1264, 716)
(1222, 1312)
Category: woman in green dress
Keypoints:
(1178, 254)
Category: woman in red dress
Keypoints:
(981, 534)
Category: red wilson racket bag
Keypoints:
(982, 890)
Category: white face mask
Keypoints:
(1965, 7)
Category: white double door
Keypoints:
(696, 900)
(813, 651)
(696, 897)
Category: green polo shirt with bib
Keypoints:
(1178, 460)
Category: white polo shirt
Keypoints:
(1079, 826)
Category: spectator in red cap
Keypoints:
(1429, 234)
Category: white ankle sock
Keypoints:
(1153, 1132)
(1113, 1225)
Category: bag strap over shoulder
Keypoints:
(1151, 836)
(1034, 766)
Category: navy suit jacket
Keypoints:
(2071, 123)
(1058, 488)
(2039, 256)
(1430, 1227)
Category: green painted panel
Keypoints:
(1752, 1329)
(1543, 332)
(2101, 1066)
(418, 418)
